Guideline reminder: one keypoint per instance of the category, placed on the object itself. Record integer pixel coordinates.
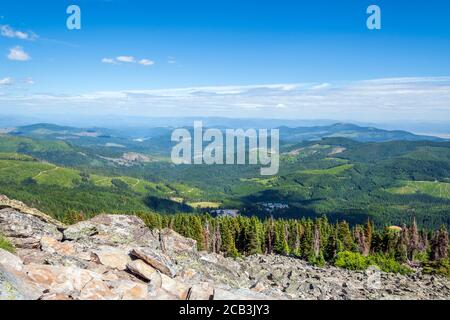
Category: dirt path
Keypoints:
(45, 171)
(135, 185)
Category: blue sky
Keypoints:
(227, 58)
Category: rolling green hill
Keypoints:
(389, 182)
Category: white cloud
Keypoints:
(8, 32)
(424, 99)
(18, 54)
(171, 60)
(127, 59)
(321, 86)
(29, 81)
(109, 61)
(146, 62)
(6, 82)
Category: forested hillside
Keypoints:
(64, 170)
(316, 241)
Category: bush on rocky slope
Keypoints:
(441, 267)
(6, 245)
(356, 261)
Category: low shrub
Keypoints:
(351, 261)
(6, 245)
(356, 261)
(440, 267)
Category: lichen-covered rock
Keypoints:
(111, 257)
(172, 242)
(97, 289)
(52, 246)
(58, 279)
(156, 259)
(5, 202)
(24, 230)
(11, 261)
(142, 269)
(129, 290)
(201, 291)
(238, 294)
(169, 288)
(112, 230)
(15, 285)
(55, 297)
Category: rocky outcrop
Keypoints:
(156, 259)
(25, 230)
(112, 230)
(116, 257)
(5, 202)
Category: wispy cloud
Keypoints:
(9, 32)
(18, 54)
(146, 62)
(369, 100)
(29, 81)
(128, 59)
(109, 61)
(6, 82)
(171, 60)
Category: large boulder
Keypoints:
(201, 291)
(25, 230)
(238, 294)
(112, 230)
(172, 242)
(156, 259)
(111, 257)
(64, 280)
(52, 246)
(14, 284)
(97, 290)
(10, 261)
(5, 202)
(142, 270)
(169, 289)
(129, 290)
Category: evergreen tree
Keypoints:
(439, 245)
(401, 250)
(316, 255)
(228, 246)
(345, 237)
(281, 245)
(294, 239)
(207, 238)
(361, 241)
(414, 241)
(369, 234)
(306, 239)
(270, 235)
(217, 245)
(253, 237)
(331, 248)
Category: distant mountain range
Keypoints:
(287, 134)
(350, 131)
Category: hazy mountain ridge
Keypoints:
(289, 134)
